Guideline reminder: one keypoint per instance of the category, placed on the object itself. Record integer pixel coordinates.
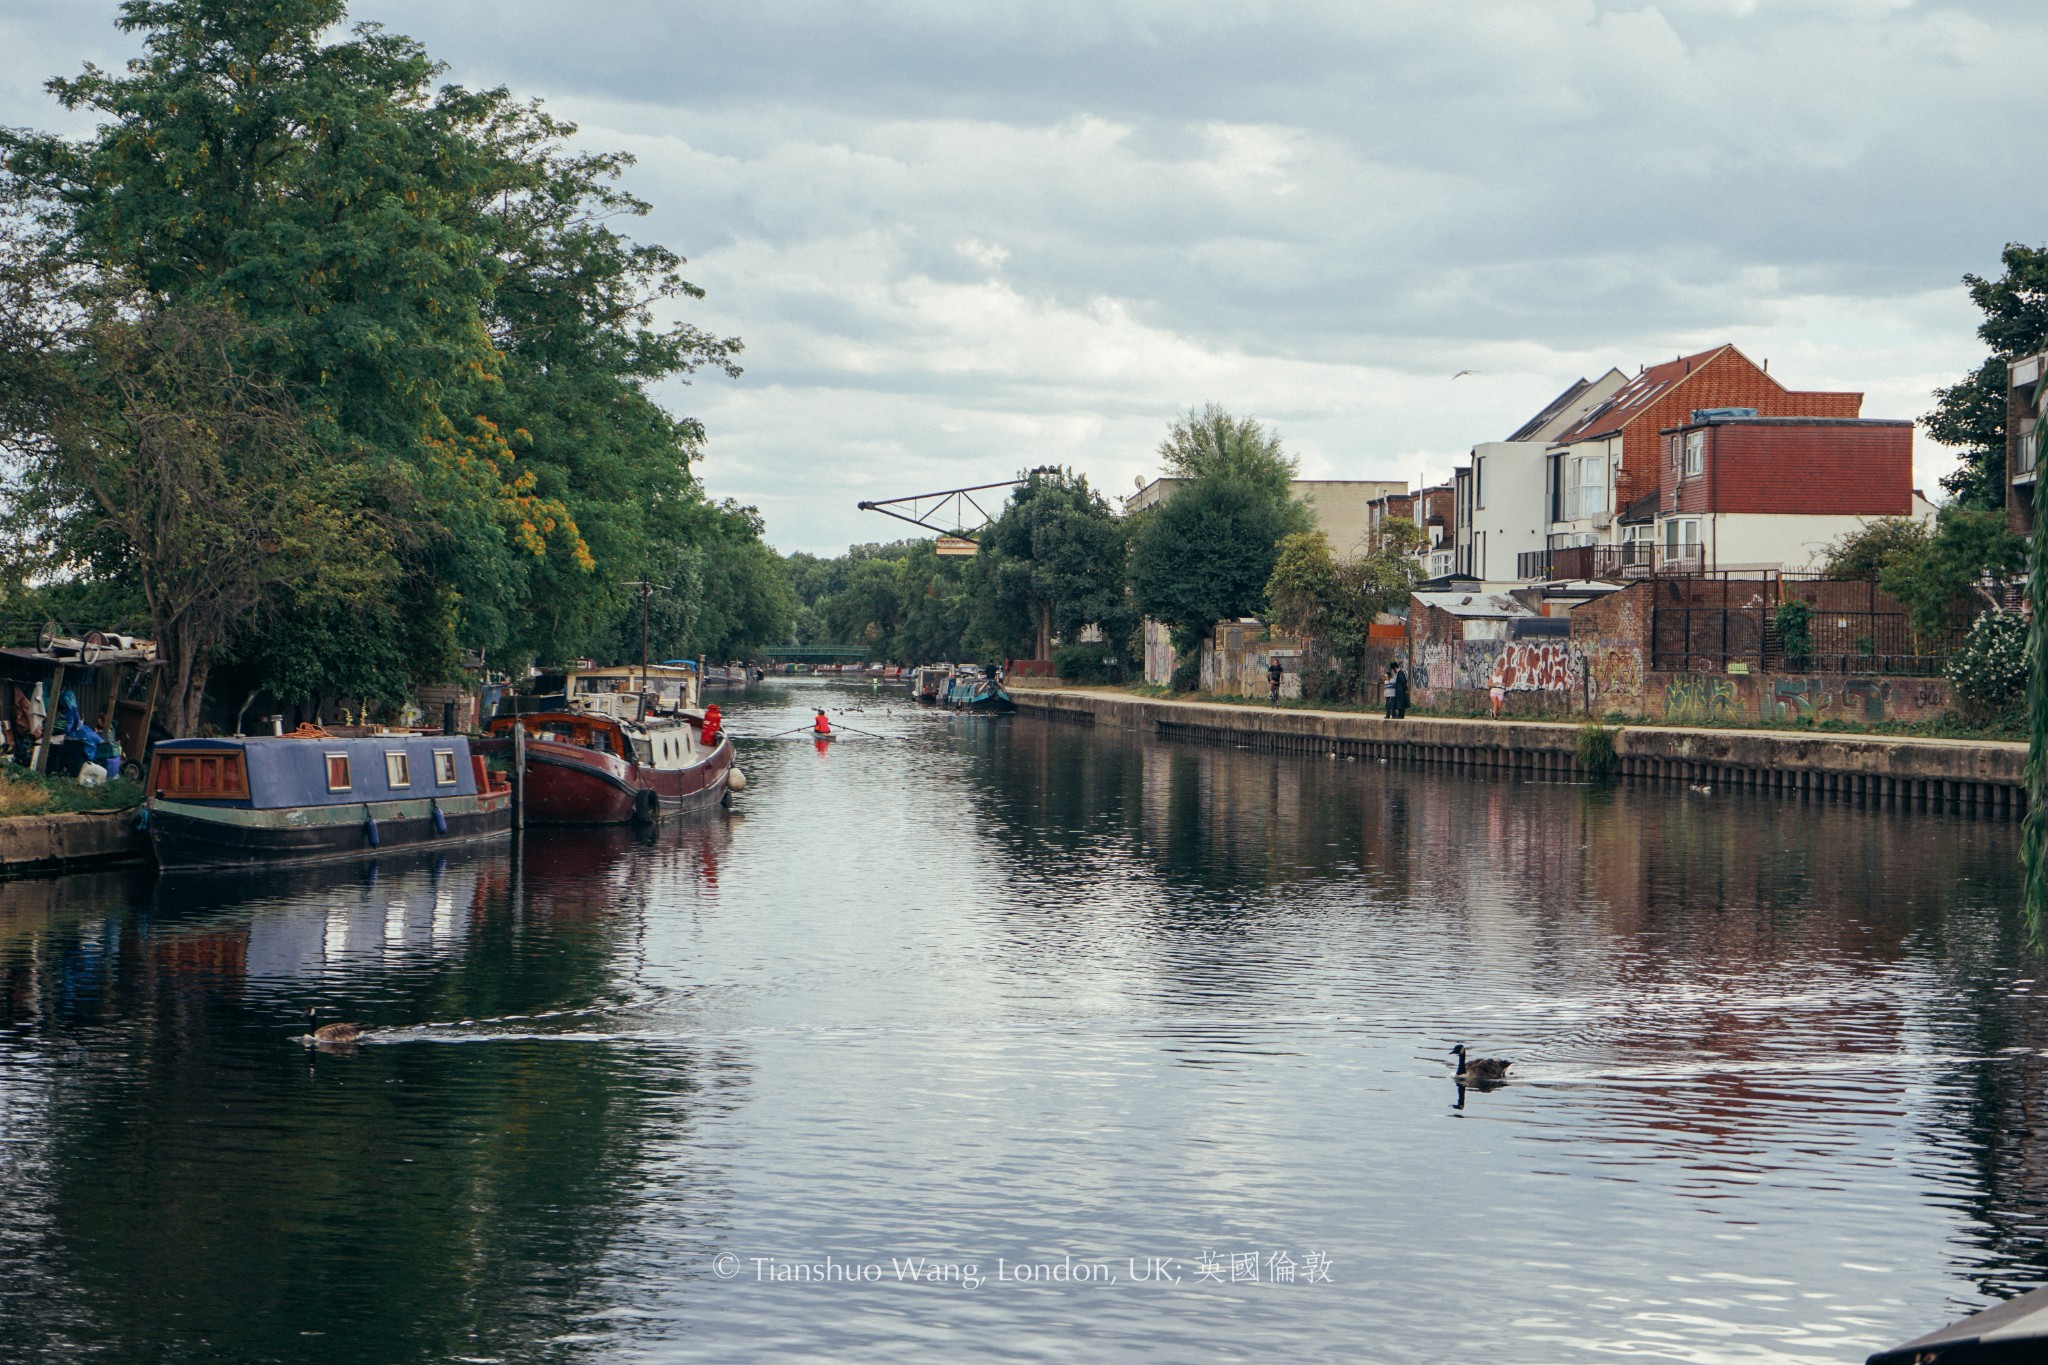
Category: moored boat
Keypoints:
(927, 681)
(616, 745)
(969, 689)
(249, 801)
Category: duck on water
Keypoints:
(317, 1032)
(1480, 1069)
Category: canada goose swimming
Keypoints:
(331, 1033)
(1480, 1068)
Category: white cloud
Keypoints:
(961, 240)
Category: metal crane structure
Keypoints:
(955, 526)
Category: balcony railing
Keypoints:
(1633, 560)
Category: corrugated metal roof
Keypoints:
(1474, 604)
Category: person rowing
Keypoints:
(821, 726)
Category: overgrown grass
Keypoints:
(25, 793)
(1596, 750)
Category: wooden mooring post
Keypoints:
(519, 775)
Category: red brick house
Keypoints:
(1609, 460)
(1739, 489)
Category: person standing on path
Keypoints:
(1394, 690)
(1273, 680)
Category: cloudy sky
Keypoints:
(964, 238)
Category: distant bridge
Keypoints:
(816, 654)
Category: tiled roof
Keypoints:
(1636, 397)
(1558, 404)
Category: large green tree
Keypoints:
(1051, 565)
(1970, 414)
(436, 280)
(1205, 553)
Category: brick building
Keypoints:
(2026, 395)
(1609, 460)
(1435, 510)
(1737, 489)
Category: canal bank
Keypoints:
(1977, 777)
(32, 844)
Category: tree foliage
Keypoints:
(1875, 546)
(1331, 603)
(1939, 581)
(1970, 414)
(1205, 553)
(1212, 444)
(1051, 565)
(439, 285)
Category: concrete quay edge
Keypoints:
(52, 843)
(1902, 757)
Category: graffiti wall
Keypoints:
(1235, 658)
(1159, 653)
(1612, 639)
(1793, 698)
(1536, 677)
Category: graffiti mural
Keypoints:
(1614, 674)
(1796, 699)
(1871, 698)
(1535, 666)
(1694, 696)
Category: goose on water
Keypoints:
(331, 1033)
(1480, 1068)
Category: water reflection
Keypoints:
(978, 988)
(181, 1179)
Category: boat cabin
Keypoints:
(271, 772)
(657, 746)
(624, 692)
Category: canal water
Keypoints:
(969, 1039)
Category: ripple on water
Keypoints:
(995, 992)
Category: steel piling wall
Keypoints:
(1973, 777)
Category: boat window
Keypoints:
(215, 776)
(398, 768)
(444, 767)
(337, 773)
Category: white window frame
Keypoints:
(1680, 533)
(445, 773)
(347, 769)
(1695, 452)
(397, 768)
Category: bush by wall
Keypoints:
(1795, 634)
(1989, 668)
(1081, 663)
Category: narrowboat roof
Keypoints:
(294, 770)
(2015, 1330)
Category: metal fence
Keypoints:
(1706, 622)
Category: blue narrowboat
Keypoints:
(256, 800)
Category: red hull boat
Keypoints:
(592, 762)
